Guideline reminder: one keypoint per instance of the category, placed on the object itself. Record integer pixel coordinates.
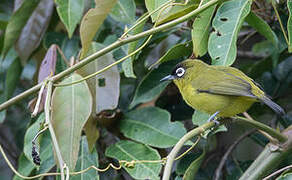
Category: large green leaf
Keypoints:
(262, 27)
(226, 25)
(127, 65)
(32, 33)
(70, 12)
(194, 167)
(71, 107)
(85, 160)
(129, 151)
(17, 22)
(92, 20)
(124, 11)
(152, 126)
(150, 87)
(105, 87)
(289, 25)
(201, 29)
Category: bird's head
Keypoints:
(183, 71)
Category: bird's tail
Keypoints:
(278, 109)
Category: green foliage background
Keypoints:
(125, 113)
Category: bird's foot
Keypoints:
(213, 118)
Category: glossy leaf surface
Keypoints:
(156, 131)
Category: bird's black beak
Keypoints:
(166, 78)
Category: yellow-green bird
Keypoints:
(217, 90)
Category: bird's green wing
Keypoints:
(229, 81)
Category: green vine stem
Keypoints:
(179, 145)
(107, 49)
(51, 129)
(272, 132)
(269, 158)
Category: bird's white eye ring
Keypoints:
(180, 72)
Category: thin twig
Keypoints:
(272, 132)
(277, 172)
(273, 140)
(229, 150)
(37, 105)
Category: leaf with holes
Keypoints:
(71, 108)
(17, 22)
(70, 12)
(34, 30)
(152, 126)
(124, 11)
(131, 151)
(85, 160)
(226, 25)
(91, 22)
(105, 87)
(201, 29)
(263, 28)
(289, 25)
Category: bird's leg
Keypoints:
(212, 118)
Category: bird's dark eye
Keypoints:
(180, 72)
